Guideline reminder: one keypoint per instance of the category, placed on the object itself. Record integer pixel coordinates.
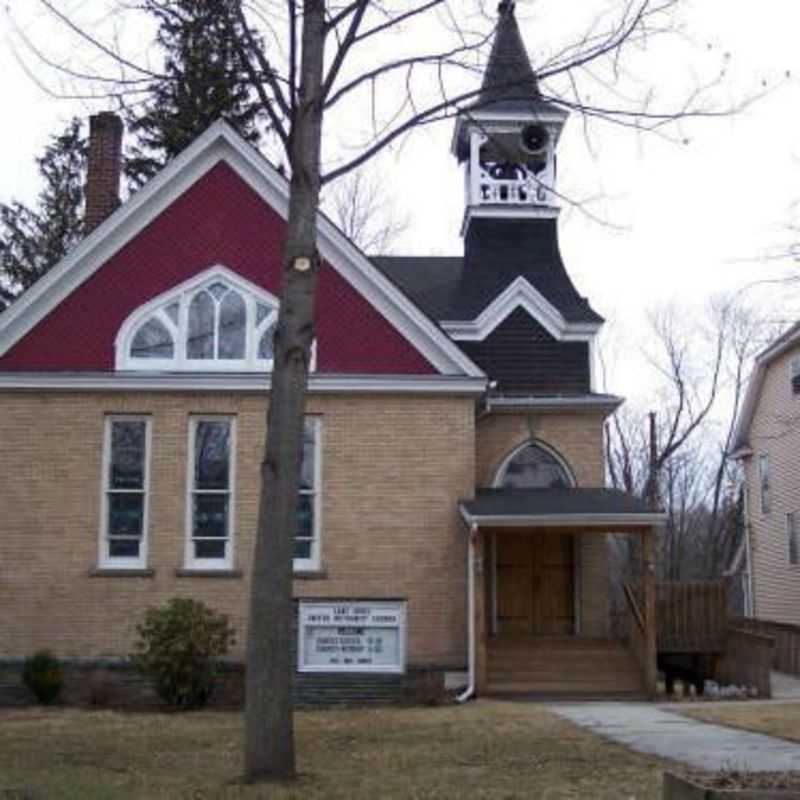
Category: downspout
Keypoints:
(470, 690)
(749, 605)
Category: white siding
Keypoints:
(775, 430)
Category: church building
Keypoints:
(453, 518)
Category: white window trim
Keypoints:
(104, 559)
(210, 564)
(314, 563)
(763, 472)
(792, 531)
(182, 294)
(794, 371)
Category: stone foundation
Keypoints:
(116, 684)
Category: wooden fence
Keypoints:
(691, 617)
(747, 660)
(786, 657)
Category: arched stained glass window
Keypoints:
(217, 321)
(533, 467)
(202, 326)
(153, 340)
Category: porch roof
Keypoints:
(603, 509)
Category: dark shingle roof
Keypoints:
(522, 358)
(497, 252)
(554, 502)
(509, 82)
(509, 73)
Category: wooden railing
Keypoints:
(747, 660)
(635, 624)
(786, 657)
(691, 617)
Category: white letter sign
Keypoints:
(362, 636)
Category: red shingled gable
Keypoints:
(220, 220)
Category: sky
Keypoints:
(682, 220)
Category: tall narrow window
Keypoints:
(210, 507)
(795, 373)
(763, 478)
(123, 539)
(306, 540)
(792, 534)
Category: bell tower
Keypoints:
(506, 140)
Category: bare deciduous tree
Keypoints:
(703, 369)
(365, 213)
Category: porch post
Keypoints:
(479, 587)
(649, 590)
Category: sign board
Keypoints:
(364, 636)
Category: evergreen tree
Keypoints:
(201, 84)
(32, 240)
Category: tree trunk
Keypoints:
(269, 734)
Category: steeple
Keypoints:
(507, 138)
(509, 78)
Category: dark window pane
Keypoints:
(211, 515)
(200, 343)
(302, 548)
(232, 324)
(309, 454)
(152, 340)
(218, 289)
(125, 514)
(209, 549)
(262, 312)
(127, 454)
(305, 516)
(123, 548)
(211, 454)
(535, 468)
(265, 350)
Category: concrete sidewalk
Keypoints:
(650, 729)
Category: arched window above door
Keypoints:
(533, 466)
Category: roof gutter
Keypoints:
(554, 403)
(604, 521)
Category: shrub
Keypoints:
(179, 648)
(43, 675)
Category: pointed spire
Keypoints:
(509, 74)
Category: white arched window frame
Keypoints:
(172, 311)
(500, 474)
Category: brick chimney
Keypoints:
(104, 168)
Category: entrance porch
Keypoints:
(540, 594)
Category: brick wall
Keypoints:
(393, 469)
(103, 168)
(578, 438)
(115, 683)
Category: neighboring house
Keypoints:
(452, 515)
(768, 444)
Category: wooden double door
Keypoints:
(535, 583)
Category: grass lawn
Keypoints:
(481, 750)
(776, 719)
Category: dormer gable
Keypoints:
(218, 203)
